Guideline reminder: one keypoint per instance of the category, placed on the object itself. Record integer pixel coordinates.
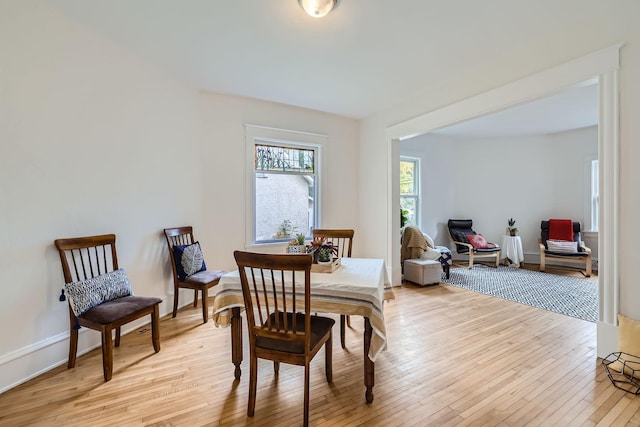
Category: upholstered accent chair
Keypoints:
(475, 246)
(564, 250)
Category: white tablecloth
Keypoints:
(358, 287)
(512, 249)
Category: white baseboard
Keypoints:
(26, 363)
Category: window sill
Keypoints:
(268, 248)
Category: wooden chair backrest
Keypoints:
(272, 284)
(86, 257)
(178, 236)
(342, 238)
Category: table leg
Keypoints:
(369, 366)
(236, 340)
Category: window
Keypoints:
(595, 196)
(410, 190)
(283, 184)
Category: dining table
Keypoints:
(358, 287)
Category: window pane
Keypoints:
(409, 204)
(286, 159)
(284, 205)
(407, 177)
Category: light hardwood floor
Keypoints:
(455, 358)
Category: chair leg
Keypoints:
(348, 320)
(253, 384)
(470, 260)
(276, 367)
(342, 331)
(205, 312)
(73, 347)
(155, 328)
(328, 358)
(306, 395)
(117, 343)
(107, 354)
(176, 291)
(542, 263)
(195, 297)
(497, 259)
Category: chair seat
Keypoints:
(204, 277)
(320, 326)
(566, 254)
(487, 250)
(479, 250)
(111, 311)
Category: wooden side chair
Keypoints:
(189, 268)
(343, 239)
(277, 298)
(100, 296)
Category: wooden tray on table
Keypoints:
(326, 268)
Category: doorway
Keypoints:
(601, 65)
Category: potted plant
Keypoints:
(286, 229)
(321, 250)
(404, 217)
(512, 229)
(296, 246)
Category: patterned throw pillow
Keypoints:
(562, 246)
(189, 260)
(477, 241)
(86, 294)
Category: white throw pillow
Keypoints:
(429, 241)
(562, 246)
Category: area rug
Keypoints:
(565, 295)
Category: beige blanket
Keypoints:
(415, 245)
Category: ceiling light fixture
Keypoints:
(318, 8)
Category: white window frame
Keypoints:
(417, 195)
(255, 134)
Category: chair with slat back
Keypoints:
(199, 281)
(277, 298)
(87, 260)
(343, 239)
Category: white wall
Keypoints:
(94, 140)
(225, 173)
(618, 24)
(89, 136)
(491, 180)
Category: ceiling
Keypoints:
(366, 56)
(570, 109)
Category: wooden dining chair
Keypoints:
(277, 298)
(343, 240)
(179, 240)
(99, 295)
